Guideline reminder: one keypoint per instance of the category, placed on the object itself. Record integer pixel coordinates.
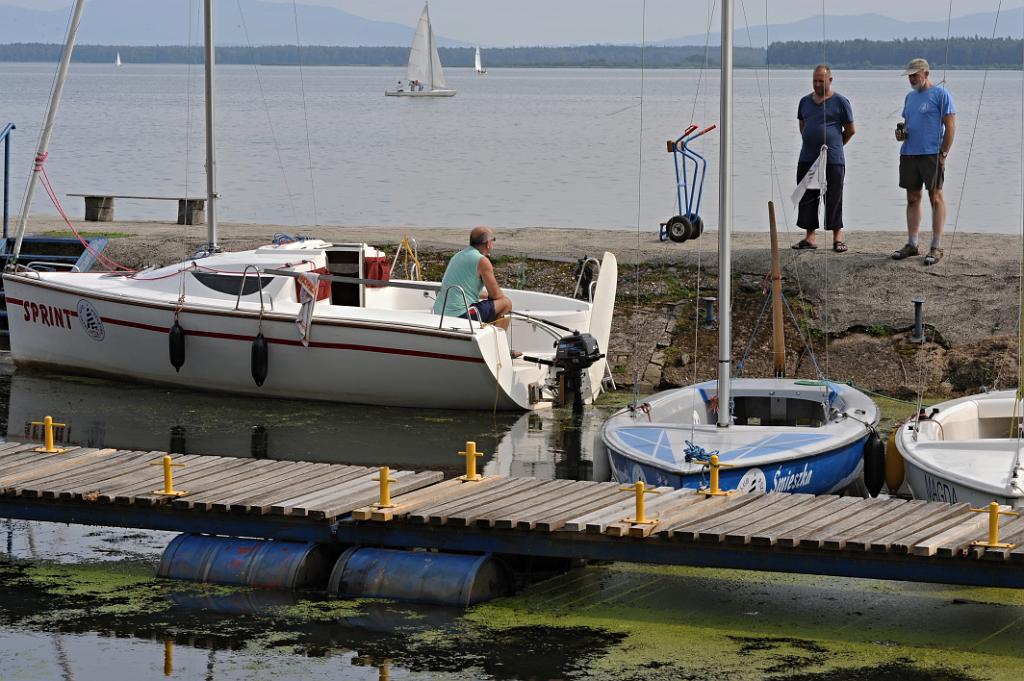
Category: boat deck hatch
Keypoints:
(346, 262)
(777, 411)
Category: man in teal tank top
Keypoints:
(471, 271)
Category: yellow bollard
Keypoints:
(168, 490)
(48, 425)
(470, 454)
(640, 490)
(993, 526)
(385, 488)
(715, 491)
(168, 657)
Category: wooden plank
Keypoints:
(670, 515)
(653, 510)
(892, 509)
(78, 468)
(12, 446)
(20, 456)
(699, 514)
(946, 521)
(78, 458)
(299, 504)
(134, 469)
(734, 507)
(482, 489)
(404, 503)
(549, 519)
(1012, 532)
(954, 541)
(790, 537)
(934, 514)
(520, 501)
(792, 519)
(759, 508)
(244, 485)
(796, 505)
(908, 513)
(194, 480)
(307, 479)
(208, 482)
(295, 477)
(413, 482)
(579, 492)
(146, 476)
(515, 486)
(856, 515)
(34, 487)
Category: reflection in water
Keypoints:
(104, 413)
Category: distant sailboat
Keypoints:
(479, 66)
(117, 60)
(424, 76)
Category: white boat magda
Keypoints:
(477, 64)
(966, 450)
(775, 434)
(424, 77)
(300, 318)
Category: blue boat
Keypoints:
(785, 435)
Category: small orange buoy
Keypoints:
(894, 471)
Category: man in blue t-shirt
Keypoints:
(927, 135)
(826, 119)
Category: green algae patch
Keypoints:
(691, 622)
(98, 580)
(331, 610)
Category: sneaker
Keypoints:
(934, 255)
(907, 251)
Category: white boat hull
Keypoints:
(423, 93)
(84, 323)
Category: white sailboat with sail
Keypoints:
(424, 77)
(478, 65)
(772, 434)
(117, 60)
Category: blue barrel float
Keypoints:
(258, 563)
(419, 576)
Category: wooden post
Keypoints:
(778, 337)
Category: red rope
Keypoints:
(111, 265)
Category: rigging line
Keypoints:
(184, 234)
(1020, 281)
(974, 133)
(639, 174)
(824, 192)
(700, 75)
(270, 121)
(949, 22)
(305, 112)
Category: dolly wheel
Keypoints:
(696, 227)
(678, 228)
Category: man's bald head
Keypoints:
(480, 236)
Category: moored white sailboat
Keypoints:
(117, 59)
(424, 76)
(774, 434)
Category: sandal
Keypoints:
(905, 252)
(934, 255)
(803, 245)
(839, 247)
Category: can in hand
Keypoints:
(901, 131)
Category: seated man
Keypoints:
(470, 270)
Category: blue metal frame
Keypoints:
(967, 571)
(5, 137)
(689, 190)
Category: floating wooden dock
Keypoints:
(849, 536)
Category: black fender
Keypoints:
(176, 345)
(260, 359)
(874, 464)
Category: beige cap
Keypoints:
(916, 66)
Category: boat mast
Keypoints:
(211, 149)
(44, 139)
(430, 44)
(725, 223)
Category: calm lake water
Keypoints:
(517, 147)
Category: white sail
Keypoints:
(117, 59)
(419, 53)
(437, 81)
(479, 65)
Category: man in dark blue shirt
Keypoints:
(826, 119)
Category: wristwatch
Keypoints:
(942, 154)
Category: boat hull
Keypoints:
(345, 361)
(424, 93)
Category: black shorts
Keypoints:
(925, 170)
(482, 310)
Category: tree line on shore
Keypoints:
(971, 53)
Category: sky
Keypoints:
(568, 22)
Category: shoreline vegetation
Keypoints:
(956, 53)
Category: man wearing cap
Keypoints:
(927, 135)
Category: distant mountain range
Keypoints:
(161, 22)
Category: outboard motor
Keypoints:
(573, 355)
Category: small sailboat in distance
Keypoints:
(479, 65)
(424, 76)
(117, 60)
